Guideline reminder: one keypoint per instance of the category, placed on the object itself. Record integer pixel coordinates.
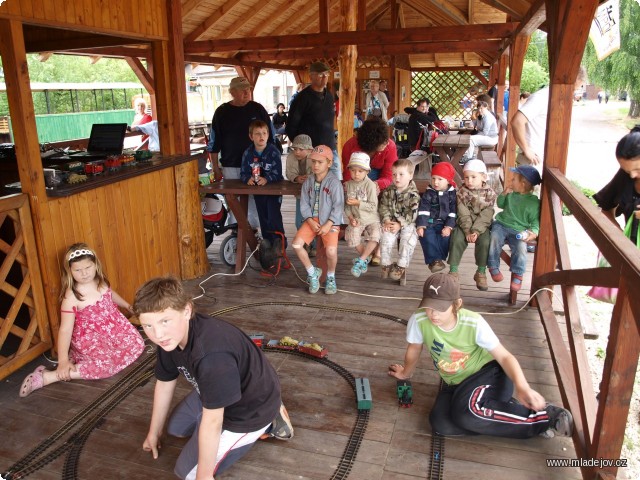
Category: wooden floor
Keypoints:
(320, 403)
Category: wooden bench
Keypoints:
(495, 174)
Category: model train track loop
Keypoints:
(72, 436)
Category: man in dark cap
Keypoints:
(312, 113)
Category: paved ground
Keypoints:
(592, 161)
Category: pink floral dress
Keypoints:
(103, 340)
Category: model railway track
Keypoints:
(359, 429)
(72, 436)
(436, 462)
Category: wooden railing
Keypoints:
(24, 326)
(600, 422)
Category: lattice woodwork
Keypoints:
(24, 327)
(446, 91)
(363, 62)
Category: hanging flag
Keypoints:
(605, 29)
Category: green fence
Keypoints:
(69, 126)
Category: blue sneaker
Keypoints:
(359, 267)
(314, 280)
(330, 287)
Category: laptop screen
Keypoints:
(107, 138)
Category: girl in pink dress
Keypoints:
(95, 339)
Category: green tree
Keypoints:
(619, 71)
(534, 77)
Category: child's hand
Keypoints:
(446, 231)
(353, 222)
(507, 191)
(315, 226)
(300, 179)
(250, 182)
(472, 237)
(63, 372)
(420, 231)
(530, 398)
(353, 202)
(392, 227)
(324, 229)
(397, 370)
(152, 444)
(262, 181)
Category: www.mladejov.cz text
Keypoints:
(587, 462)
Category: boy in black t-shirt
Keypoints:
(236, 398)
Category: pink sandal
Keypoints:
(33, 381)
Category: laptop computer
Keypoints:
(105, 139)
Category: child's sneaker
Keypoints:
(516, 282)
(281, 427)
(359, 267)
(330, 286)
(437, 266)
(314, 280)
(384, 271)
(496, 275)
(560, 422)
(455, 275)
(396, 272)
(481, 281)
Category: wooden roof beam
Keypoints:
(210, 21)
(113, 52)
(362, 15)
(284, 18)
(82, 41)
(434, 16)
(379, 37)
(516, 8)
(373, 50)
(417, 9)
(188, 7)
(448, 69)
(323, 16)
(233, 62)
(377, 14)
(143, 75)
(450, 11)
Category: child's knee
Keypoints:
(331, 252)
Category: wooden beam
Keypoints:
(347, 62)
(516, 8)
(477, 72)
(432, 14)
(362, 15)
(401, 19)
(471, 11)
(450, 11)
(420, 11)
(142, 74)
(534, 18)
(211, 21)
(188, 7)
(516, 62)
(380, 37)
(449, 69)
(114, 52)
(83, 41)
(323, 16)
(604, 277)
(277, 22)
(393, 9)
(377, 14)
(231, 61)
(373, 50)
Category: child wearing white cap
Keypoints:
(361, 210)
(475, 201)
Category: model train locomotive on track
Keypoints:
(361, 385)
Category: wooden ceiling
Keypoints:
(246, 31)
(290, 34)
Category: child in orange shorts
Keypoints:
(321, 205)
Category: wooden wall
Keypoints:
(403, 79)
(144, 19)
(132, 226)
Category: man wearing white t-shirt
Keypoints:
(530, 128)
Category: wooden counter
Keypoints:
(157, 162)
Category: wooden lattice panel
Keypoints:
(24, 329)
(445, 90)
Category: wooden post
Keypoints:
(347, 61)
(25, 135)
(173, 127)
(518, 50)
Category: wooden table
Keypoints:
(237, 197)
(451, 148)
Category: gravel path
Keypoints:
(595, 131)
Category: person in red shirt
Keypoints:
(373, 139)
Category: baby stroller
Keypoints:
(400, 129)
(214, 220)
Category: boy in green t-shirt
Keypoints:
(479, 373)
(517, 224)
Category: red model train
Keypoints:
(288, 343)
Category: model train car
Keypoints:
(288, 343)
(405, 393)
(363, 394)
(257, 338)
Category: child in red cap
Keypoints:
(437, 216)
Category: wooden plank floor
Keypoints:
(321, 404)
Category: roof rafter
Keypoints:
(450, 11)
(516, 8)
(209, 23)
(377, 37)
(233, 62)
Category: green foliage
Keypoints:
(534, 77)
(532, 53)
(68, 68)
(600, 353)
(539, 40)
(619, 71)
(587, 192)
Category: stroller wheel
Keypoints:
(228, 250)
